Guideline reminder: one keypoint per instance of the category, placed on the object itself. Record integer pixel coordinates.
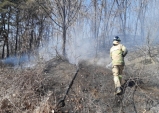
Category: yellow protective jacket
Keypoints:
(117, 54)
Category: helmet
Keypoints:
(116, 38)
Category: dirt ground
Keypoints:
(60, 87)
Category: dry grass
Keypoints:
(39, 90)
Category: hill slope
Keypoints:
(58, 86)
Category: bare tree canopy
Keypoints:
(25, 25)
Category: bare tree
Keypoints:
(5, 8)
(64, 15)
(123, 5)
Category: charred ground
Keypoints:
(60, 87)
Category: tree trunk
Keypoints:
(7, 44)
(3, 50)
(64, 42)
(17, 31)
(7, 34)
(64, 30)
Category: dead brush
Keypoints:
(20, 92)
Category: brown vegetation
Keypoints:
(45, 89)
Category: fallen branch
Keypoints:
(61, 103)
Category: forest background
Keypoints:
(76, 29)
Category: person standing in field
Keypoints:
(117, 54)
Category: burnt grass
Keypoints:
(60, 87)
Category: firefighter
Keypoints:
(117, 54)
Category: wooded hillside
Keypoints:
(75, 28)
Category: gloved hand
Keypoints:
(123, 55)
